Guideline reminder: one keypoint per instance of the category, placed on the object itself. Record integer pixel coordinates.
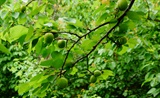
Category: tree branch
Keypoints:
(29, 2)
(67, 33)
(106, 35)
(80, 37)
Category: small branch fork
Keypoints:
(90, 31)
(29, 2)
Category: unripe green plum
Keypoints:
(122, 5)
(48, 38)
(122, 40)
(62, 82)
(61, 43)
(93, 79)
(97, 73)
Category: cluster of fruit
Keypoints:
(48, 38)
(93, 77)
(63, 82)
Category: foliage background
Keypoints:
(30, 67)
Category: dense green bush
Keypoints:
(17, 67)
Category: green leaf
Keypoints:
(133, 15)
(102, 8)
(148, 78)
(158, 77)
(3, 14)
(77, 49)
(30, 33)
(37, 77)
(21, 39)
(79, 23)
(108, 46)
(13, 69)
(69, 20)
(42, 95)
(4, 49)
(74, 71)
(22, 19)
(132, 42)
(106, 74)
(46, 52)
(73, 24)
(153, 91)
(22, 88)
(2, 2)
(36, 10)
(47, 62)
(131, 25)
(17, 31)
(19, 73)
(57, 63)
(70, 26)
(102, 18)
(58, 58)
(124, 50)
(55, 54)
(123, 29)
(34, 42)
(39, 45)
(88, 44)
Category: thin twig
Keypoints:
(119, 20)
(67, 33)
(94, 47)
(80, 37)
(29, 2)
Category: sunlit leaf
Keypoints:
(106, 74)
(132, 42)
(47, 62)
(17, 31)
(4, 49)
(30, 33)
(38, 46)
(153, 91)
(57, 63)
(74, 71)
(124, 50)
(102, 18)
(22, 88)
(88, 44)
(2, 2)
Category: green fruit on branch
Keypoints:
(122, 40)
(61, 43)
(122, 5)
(62, 82)
(48, 38)
(93, 79)
(97, 73)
